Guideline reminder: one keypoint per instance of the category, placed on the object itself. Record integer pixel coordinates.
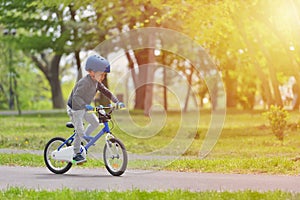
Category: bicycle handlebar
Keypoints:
(100, 107)
(101, 112)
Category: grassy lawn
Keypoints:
(246, 144)
(17, 193)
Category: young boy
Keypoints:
(81, 98)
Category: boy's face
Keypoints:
(98, 76)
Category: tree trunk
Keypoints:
(78, 63)
(141, 78)
(51, 72)
(165, 89)
(189, 78)
(275, 84)
(149, 81)
(138, 86)
(231, 93)
(57, 97)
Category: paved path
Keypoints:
(99, 179)
(30, 112)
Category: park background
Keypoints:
(255, 46)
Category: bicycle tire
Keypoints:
(115, 164)
(57, 167)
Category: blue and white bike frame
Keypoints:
(64, 153)
(105, 129)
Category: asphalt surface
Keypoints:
(99, 179)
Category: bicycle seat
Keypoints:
(69, 125)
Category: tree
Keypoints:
(252, 42)
(119, 19)
(47, 32)
(27, 83)
(234, 31)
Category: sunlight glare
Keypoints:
(286, 14)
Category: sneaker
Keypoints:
(78, 158)
(87, 138)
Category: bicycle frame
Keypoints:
(104, 130)
(60, 159)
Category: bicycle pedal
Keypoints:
(78, 163)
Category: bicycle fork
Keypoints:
(109, 145)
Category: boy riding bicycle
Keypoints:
(81, 98)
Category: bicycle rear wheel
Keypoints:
(55, 166)
(115, 157)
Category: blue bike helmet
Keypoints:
(97, 63)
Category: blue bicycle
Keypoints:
(58, 152)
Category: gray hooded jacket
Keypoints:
(84, 92)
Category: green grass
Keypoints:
(246, 144)
(18, 193)
(31, 131)
(22, 160)
(274, 165)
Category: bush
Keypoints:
(277, 117)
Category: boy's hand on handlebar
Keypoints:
(120, 105)
(89, 107)
(117, 106)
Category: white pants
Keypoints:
(77, 117)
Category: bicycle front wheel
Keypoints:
(115, 157)
(55, 166)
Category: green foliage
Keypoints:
(46, 32)
(31, 86)
(48, 27)
(277, 117)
